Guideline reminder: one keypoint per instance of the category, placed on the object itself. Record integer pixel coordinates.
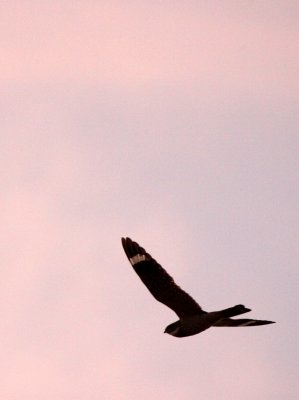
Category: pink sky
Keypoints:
(175, 123)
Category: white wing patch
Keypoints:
(137, 259)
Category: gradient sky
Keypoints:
(174, 123)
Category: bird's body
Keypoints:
(191, 325)
(192, 319)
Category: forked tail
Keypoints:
(233, 311)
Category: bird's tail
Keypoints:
(241, 322)
(233, 311)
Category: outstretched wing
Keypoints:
(159, 283)
(241, 322)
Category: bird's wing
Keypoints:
(159, 283)
(241, 322)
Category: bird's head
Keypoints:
(173, 329)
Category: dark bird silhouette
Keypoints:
(192, 319)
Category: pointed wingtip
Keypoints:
(266, 322)
(126, 238)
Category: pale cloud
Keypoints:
(174, 124)
(145, 44)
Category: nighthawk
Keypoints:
(192, 318)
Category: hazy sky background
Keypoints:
(174, 123)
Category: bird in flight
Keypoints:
(192, 318)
